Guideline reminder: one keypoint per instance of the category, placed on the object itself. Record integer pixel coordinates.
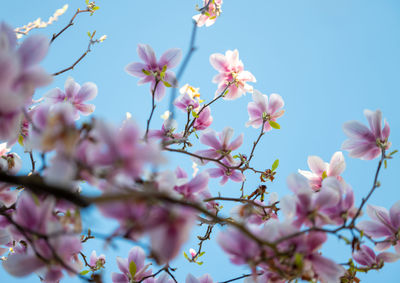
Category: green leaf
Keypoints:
(298, 260)
(385, 162)
(87, 2)
(167, 84)
(195, 114)
(132, 269)
(200, 254)
(393, 152)
(186, 256)
(275, 165)
(89, 34)
(164, 68)
(21, 140)
(84, 272)
(95, 8)
(147, 73)
(274, 125)
(199, 262)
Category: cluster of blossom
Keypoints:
(42, 233)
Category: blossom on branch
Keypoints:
(367, 143)
(320, 169)
(74, 94)
(155, 72)
(209, 13)
(262, 111)
(367, 257)
(232, 75)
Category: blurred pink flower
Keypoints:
(367, 257)
(76, 95)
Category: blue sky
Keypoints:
(329, 60)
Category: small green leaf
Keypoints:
(21, 140)
(324, 175)
(393, 152)
(186, 256)
(200, 254)
(275, 165)
(84, 272)
(274, 125)
(132, 269)
(361, 234)
(199, 262)
(236, 156)
(195, 114)
(164, 68)
(298, 260)
(147, 73)
(385, 162)
(95, 8)
(226, 92)
(87, 2)
(89, 34)
(167, 84)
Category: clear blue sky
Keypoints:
(328, 59)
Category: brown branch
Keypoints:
(153, 106)
(71, 23)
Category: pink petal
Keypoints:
(20, 265)
(119, 278)
(326, 269)
(236, 143)
(237, 176)
(260, 100)
(375, 121)
(159, 92)
(354, 129)
(85, 109)
(316, 164)
(394, 213)
(386, 131)
(374, 229)
(198, 183)
(88, 91)
(191, 279)
(146, 53)
(275, 103)
(33, 50)
(216, 172)
(138, 256)
(55, 95)
(136, 69)
(171, 58)
(71, 88)
(337, 164)
(209, 138)
(225, 136)
(219, 62)
(388, 257)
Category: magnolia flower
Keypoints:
(320, 169)
(190, 188)
(74, 94)
(225, 173)
(204, 120)
(206, 278)
(367, 143)
(19, 77)
(97, 262)
(262, 111)
(209, 13)
(220, 144)
(152, 71)
(188, 99)
(367, 257)
(231, 74)
(384, 223)
(133, 268)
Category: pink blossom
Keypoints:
(97, 262)
(231, 72)
(170, 231)
(135, 258)
(220, 144)
(152, 71)
(190, 189)
(260, 110)
(367, 143)
(20, 75)
(367, 257)
(225, 173)
(384, 223)
(320, 169)
(10, 163)
(204, 120)
(76, 95)
(188, 99)
(206, 278)
(209, 13)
